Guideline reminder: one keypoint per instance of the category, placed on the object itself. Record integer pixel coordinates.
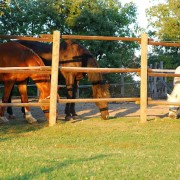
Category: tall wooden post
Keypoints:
(54, 78)
(143, 90)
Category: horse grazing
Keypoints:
(175, 96)
(73, 54)
(13, 54)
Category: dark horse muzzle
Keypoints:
(104, 113)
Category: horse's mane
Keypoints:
(85, 56)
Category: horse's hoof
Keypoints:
(3, 119)
(12, 116)
(75, 117)
(68, 118)
(31, 120)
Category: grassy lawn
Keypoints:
(120, 148)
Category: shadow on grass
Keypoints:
(56, 166)
(20, 126)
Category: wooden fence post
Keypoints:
(54, 78)
(143, 90)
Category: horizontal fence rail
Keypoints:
(102, 70)
(27, 38)
(38, 69)
(99, 38)
(162, 73)
(161, 70)
(98, 100)
(160, 102)
(163, 44)
(49, 38)
(35, 104)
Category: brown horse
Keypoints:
(13, 54)
(74, 55)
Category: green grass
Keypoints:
(120, 148)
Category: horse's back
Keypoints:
(14, 54)
(44, 50)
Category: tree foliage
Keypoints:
(165, 18)
(82, 17)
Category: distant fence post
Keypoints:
(54, 78)
(143, 90)
(122, 84)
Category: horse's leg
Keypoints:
(9, 108)
(69, 89)
(8, 85)
(72, 105)
(22, 87)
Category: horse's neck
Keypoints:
(176, 89)
(94, 77)
(43, 87)
(42, 49)
(45, 52)
(176, 80)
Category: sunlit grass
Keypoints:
(120, 148)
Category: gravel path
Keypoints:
(88, 110)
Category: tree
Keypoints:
(107, 18)
(165, 18)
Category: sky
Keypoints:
(142, 5)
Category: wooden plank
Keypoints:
(27, 70)
(102, 70)
(27, 38)
(35, 104)
(163, 74)
(164, 44)
(103, 38)
(150, 70)
(143, 89)
(160, 102)
(54, 78)
(99, 100)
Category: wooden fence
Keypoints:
(144, 72)
(157, 86)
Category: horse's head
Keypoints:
(102, 91)
(43, 85)
(44, 108)
(173, 110)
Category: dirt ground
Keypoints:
(88, 110)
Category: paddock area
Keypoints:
(89, 110)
